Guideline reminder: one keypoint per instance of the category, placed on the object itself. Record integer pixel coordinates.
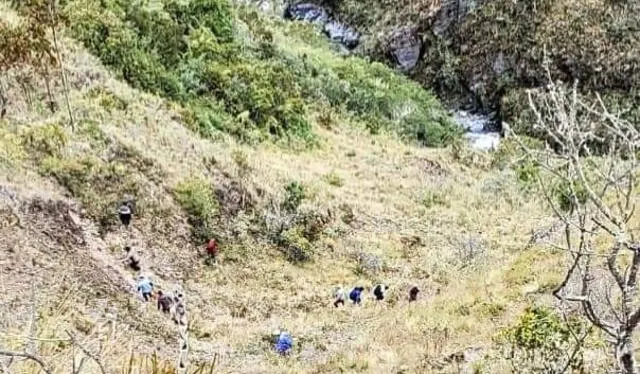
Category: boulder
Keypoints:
(307, 12)
(405, 47)
(341, 33)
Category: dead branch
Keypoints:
(28, 356)
(86, 352)
(592, 156)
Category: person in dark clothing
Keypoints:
(164, 302)
(125, 214)
(379, 291)
(131, 259)
(413, 293)
(356, 295)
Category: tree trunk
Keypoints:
(65, 86)
(624, 355)
(50, 103)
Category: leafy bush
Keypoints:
(295, 193)
(375, 95)
(568, 197)
(297, 248)
(334, 179)
(542, 342)
(197, 198)
(253, 86)
(186, 52)
(435, 198)
(527, 172)
(48, 140)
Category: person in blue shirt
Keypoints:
(356, 295)
(284, 344)
(145, 287)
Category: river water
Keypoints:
(477, 133)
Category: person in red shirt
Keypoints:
(212, 251)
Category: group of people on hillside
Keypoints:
(379, 293)
(174, 304)
(170, 304)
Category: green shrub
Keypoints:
(197, 198)
(528, 172)
(268, 92)
(242, 163)
(296, 247)
(542, 342)
(434, 198)
(45, 140)
(11, 147)
(334, 179)
(295, 193)
(254, 87)
(107, 100)
(569, 198)
(377, 96)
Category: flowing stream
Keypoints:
(477, 133)
(477, 126)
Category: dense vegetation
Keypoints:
(494, 50)
(231, 74)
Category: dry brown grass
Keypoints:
(235, 305)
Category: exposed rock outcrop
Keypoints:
(405, 47)
(337, 31)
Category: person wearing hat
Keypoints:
(145, 287)
(125, 214)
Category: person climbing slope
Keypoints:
(178, 308)
(164, 302)
(340, 297)
(212, 252)
(131, 259)
(145, 287)
(284, 344)
(413, 293)
(356, 295)
(125, 214)
(379, 292)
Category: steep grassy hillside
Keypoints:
(355, 206)
(233, 71)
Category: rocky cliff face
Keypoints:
(483, 53)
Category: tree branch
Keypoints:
(611, 263)
(28, 356)
(86, 351)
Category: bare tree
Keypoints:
(27, 356)
(587, 173)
